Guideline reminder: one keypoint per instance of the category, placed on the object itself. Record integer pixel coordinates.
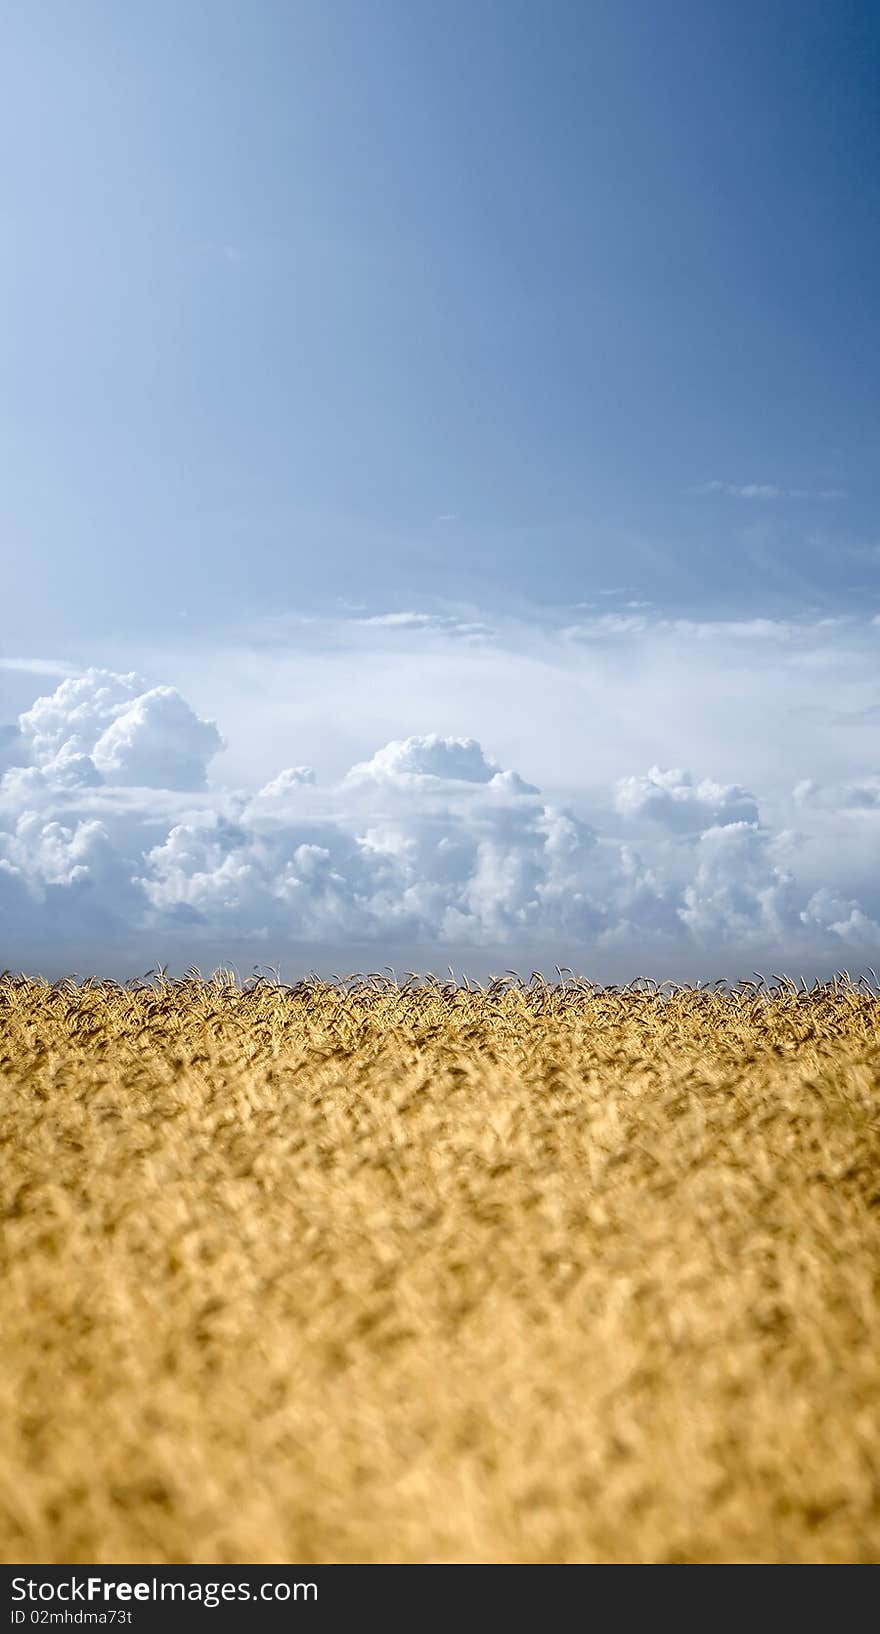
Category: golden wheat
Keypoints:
(408, 1273)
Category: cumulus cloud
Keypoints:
(862, 795)
(76, 713)
(292, 778)
(674, 799)
(158, 741)
(460, 760)
(845, 917)
(11, 746)
(103, 727)
(107, 829)
(739, 895)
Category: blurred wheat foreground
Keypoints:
(378, 1272)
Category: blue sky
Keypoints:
(506, 370)
(284, 284)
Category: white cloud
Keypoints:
(855, 797)
(440, 623)
(674, 799)
(606, 625)
(157, 741)
(286, 783)
(108, 832)
(739, 895)
(11, 746)
(458, 759)
(629, 625)
(38, 666)
(77, 712)
(766, 491)
(104, 727)
(846, 919)
(400, 621)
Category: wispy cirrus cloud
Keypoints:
(765, 491)
(448, 624)
(39, 666)
(614, 625)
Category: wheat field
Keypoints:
(377, 1272)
